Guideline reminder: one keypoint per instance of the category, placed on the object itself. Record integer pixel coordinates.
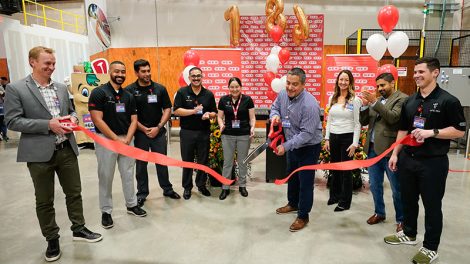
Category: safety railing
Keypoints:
(44, 13)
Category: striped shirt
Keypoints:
(49, 93)
(303, 114)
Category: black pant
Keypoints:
(341, 182)
(426, 177)
(194, 143)
(157, 144)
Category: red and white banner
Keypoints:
(363, 68)
(218, 66)
(256, 45)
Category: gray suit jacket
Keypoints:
(26, 111)
(386, 127)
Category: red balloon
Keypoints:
(181, 81)
(190, 57)
(388, 18)
(284, 55)
(272, 95)
(276, 33)
(388, 68)
(269, 77)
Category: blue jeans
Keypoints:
(300, 185)
(376, 180)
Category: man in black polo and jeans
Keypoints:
(434, 117)
(153, 111)
(195, 105)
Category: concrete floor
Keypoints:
(206, 230)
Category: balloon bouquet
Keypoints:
(275, 25)
(396, 44)
(191, 59)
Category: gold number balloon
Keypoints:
(301, 30)
(274, 16)
(233, 14)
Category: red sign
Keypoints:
(100, 66)
(363, 68)
(256, 45)
(218, 66)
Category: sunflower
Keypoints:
(217, 133)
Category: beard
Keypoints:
(383, 93)
(118, 80)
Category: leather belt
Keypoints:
(62, 145)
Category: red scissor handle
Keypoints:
(276, 136)
(279, 140)
(272, 134)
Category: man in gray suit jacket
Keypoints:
(382, 115)
(36, 106)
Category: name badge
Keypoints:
(152, 99)
(286, 123)
(350, 107)
(418, 122)
(235, 123)
(120, 108)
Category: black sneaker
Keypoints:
(137, 211)
(107, 220)
(140, 202)
(86, 235)
(53, 250)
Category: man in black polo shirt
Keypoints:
(113, 112)
(434, 117)
(153, 111)
(195, 105)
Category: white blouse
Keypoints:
(344, 119)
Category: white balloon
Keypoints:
(275, 50)
(284, 80)
(186, 74)
(398, 43)
(272, 63)
(376, 46)
(277, 85)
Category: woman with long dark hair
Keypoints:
(342, 137)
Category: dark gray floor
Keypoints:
(206, 230)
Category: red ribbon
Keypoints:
(352, 164)
(148, 156)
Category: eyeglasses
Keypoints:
(196, 76)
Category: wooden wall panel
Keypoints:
(128, 56)
(4, 68)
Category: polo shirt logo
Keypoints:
(435, 105)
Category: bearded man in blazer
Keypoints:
(382, 114)
(36, 106)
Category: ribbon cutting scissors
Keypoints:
(275, 138)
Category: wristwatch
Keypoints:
(436, 132)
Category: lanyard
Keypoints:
(235, 107)
(117, 98)
(420, 109)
